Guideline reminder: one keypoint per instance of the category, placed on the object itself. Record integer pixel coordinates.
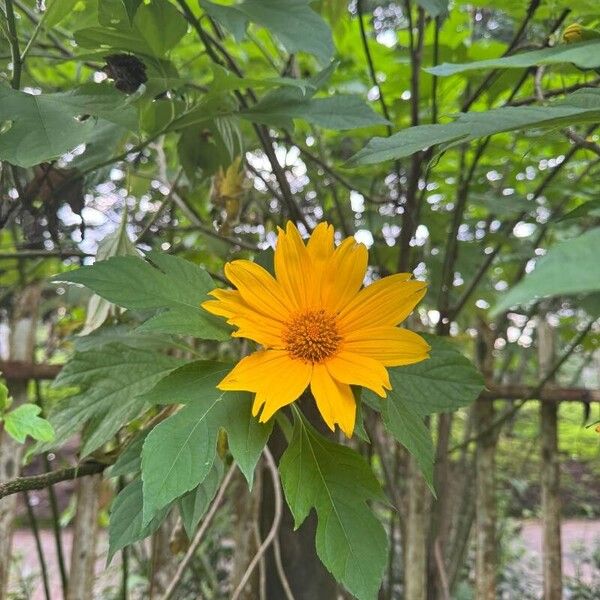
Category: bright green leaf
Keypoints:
(24, 421)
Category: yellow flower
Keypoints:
(316, 326)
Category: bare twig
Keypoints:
(274, 527)
(161, 207)
(189, 555)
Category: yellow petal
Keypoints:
(335, 400)
(277, 380)
(320, 245)
(344, 274)
(252, 324)
(293, 268)
(258, 288)
(390, 346)
(351, 368)
(388, 301)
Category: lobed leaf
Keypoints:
(337, 483)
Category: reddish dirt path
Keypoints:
(574, 532)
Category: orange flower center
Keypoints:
(312, 336)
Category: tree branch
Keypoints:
(39, 482)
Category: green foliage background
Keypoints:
(458, 142)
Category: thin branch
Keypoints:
(39, 482)
(281, 571)
(15, 52)
(38, 545)
(371, 65)
(493, 74)
(22, 254)
(582, 142)
(161, 207)
(554, 93)
(274, 526)
(189, 555)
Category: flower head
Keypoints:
(317, 325)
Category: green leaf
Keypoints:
(187, 383)
(130, 460)
(194, 504)
(230, 17)
(57, 11)
(585, 55)
(443, 383)
(45, 126)
(110, 379)
(156, 28)
(116, 243)
(341, 112)
(125, 525)
(196, 382)
(172, 283)
(180, 451)
(588, 209)
(4, 402)
(582, 106)
(337, 483)
(407, 426)
(23, 421)
(131, 7)
(571, 267)
(292, 22)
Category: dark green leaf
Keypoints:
(194, 504)
(340, 112)
(292, 22)
(585, 55)
(110, 379)
(125, 525)
(130, 460)
(443, 383)
(337, 483)
(582, 106)
(173, 284)
(180, 451)
(156, 28)
(45, 126)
